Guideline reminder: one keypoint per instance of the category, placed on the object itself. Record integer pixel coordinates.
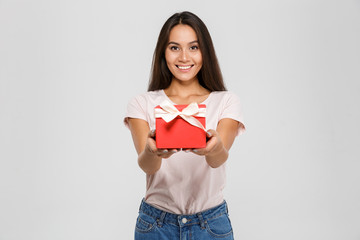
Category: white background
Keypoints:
(68, 167)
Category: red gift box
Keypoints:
(180, 126)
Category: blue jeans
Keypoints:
(155, 224)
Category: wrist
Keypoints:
(149, 161)
(218, 149)
(217, 158)
(150, 154)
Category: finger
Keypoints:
(151, 144)
(152, 133)
(210, 133)
(169, 151)
(174, 150)
(186, 150)
(166, 153)
(199, 151)
(161, 152)
(210, 145)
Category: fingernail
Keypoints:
(187, 150)
(209, 134)
(195, 150)
(165, 151)
(174, 151)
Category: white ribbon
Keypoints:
(169, 112)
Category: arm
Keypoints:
(149, 157)
(220, 141)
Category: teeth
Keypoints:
(184, 67)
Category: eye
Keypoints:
(195, 47)
(174, 48)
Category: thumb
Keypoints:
(152, 133)
(211, 133)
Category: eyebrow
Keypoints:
(175, 43)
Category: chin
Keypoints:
(185, 79)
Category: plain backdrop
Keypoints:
(68, 168)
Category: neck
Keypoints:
(185, 88)
(186, 92)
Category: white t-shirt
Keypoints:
(185, 183)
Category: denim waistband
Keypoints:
(179, 219)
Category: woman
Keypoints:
(184, 197)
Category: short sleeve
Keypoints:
(135, 109)
(233, 109)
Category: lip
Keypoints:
(184, 68)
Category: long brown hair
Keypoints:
(209, 76)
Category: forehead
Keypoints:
(182, 33)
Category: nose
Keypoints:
(183, 56)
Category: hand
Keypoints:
(151, 147)
(213, 144)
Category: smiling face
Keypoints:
(182, 54)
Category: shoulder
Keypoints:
(146, 102)
(140, 106)
(146, 98)
(224, 96)
(229, 106)
(148, 95)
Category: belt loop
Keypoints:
(160, 220)
(141, 204)
(202, 222)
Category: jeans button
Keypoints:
(184, 220)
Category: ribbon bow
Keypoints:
(169, 112)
